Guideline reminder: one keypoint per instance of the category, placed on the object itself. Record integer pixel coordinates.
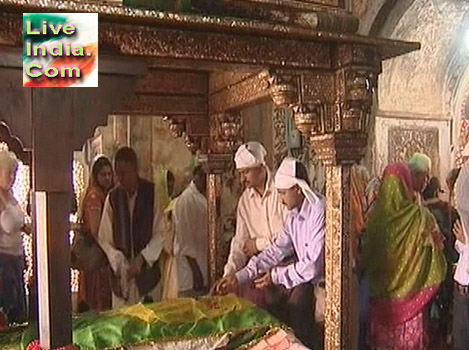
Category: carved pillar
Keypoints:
(338, 318)
(214, 184)
(214, 165)
(52, 159)
(332, 109)
(340, 140)
(225, 137)
(280, 149)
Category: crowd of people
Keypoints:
(156, 245)
(409, 254)
(406, 241)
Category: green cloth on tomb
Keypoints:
(177, 319)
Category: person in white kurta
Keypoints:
(191, 243)
(12, 291)
(260, 214)
(126, 269)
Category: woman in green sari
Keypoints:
(404, 259)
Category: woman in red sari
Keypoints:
(95, 286)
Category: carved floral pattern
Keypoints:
(404, 142)
(226, 132)
(279, 136)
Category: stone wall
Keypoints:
(424, 89)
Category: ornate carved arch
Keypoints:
(388, 16)
(14, 144)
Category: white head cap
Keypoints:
(250, 155)
(286, 178)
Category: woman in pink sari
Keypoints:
(404, 260)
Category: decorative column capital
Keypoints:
(308, 117)
(226, 130)
(225, 138)
(336, 120)
(283, 88)
(339, 148)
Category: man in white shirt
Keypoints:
(260, 214)
(294, 263)
(191, 244)
(128, 233)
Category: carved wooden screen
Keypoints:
(404, 142)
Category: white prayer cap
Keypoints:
(286, 178)
(465, 152)
(420, 162)
(250, 155)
